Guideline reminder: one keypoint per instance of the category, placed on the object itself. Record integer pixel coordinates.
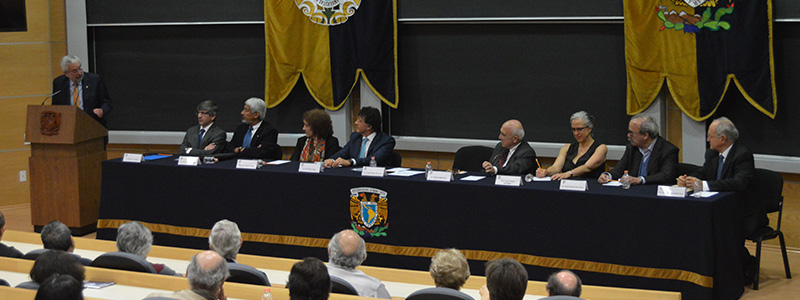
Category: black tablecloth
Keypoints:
(609, 236)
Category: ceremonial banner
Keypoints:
(330, 43)
(699, 47)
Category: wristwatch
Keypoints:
(570, 173)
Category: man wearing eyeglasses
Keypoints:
(648, 158)
(206, 138)
(512, 155)
(82, 89)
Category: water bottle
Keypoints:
(625, 180)
(267, 294)
(373, 162)
(428, 169)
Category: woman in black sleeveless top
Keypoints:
(585, 158)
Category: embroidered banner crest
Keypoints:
(328, 12)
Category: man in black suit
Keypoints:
(206, 138)
(6, 251)
(512, 155)
(368, 141)
(648, 158)
(254, 138)
(82, 89)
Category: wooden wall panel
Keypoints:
(13, 114)
(38, 15)
(57, 51)
(13, 191)
(58, 21)
(26, 69)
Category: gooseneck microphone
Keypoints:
(50, 96)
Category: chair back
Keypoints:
(470, 158)
(123, 261)
(768, 189)
(3, 282)
(246, 274)
(395, 160)
(33, 254)
(158, 298)
(438, 293)
(341, 286)
(28, 285)
(686, 169)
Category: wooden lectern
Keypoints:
(67, 149)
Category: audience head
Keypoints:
(309, 280)
(642, 130)
(56, 236)
(582, 125)
(369, 120)
(71, 66)
(60, 287)
(207, 271)
(254, 110)
(225, 239)
(56, 262)
(564, 282)
(511, 133)
(506, 279)
(317, 124)
(347, 250)
(721, 134)
(207, 112)
(449, 269)
(134, 238)
(2, 224)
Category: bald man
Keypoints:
(206, 273)
(512, 155)
(563, 285)
(346, 251)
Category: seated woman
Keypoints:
(134, 238)
(53, 262)
(319, 143)
(449, 269)
(584, 158)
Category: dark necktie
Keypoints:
(503, 158)
(247, 137)
(200, 139)
(719, 168)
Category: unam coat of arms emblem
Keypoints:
(328, 12)
(369, 211)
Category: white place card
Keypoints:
(472, 178)
(445, 176)
(373, 171)
(251, 164)
(310, 167)
(189, 161)
(573, 185)
(671, 191)
(508, 180)
(132, 158)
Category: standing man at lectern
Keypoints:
(82, 89)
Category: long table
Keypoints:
(609, 236)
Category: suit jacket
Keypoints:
(521, 163)
(263, 144)
(215, 135)
(737, 171)
(331, 147)
(95, 95)
(381, 148)
(662, 167)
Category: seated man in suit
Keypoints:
(563, 285)
(512, 155)
(206, 138)
(506, 279)
(648, 158)
(254, 138)
(206, 274)
(368, 141)
(82, 89)
(7, 251)
(346, 251)
(56, 236)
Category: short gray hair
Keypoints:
(583, 116)
(725, 127)
(257, 106)
(134, 238)
(449, 268)
(206, 279)
(208, 106)
(648, 125)
(346, 260)
(56, 236)
(68, 60)
(226, 239)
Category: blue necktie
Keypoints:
(363, 152)
(643, 167)
(719, 168)
(200, 139)
(247, 137)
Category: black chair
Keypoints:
(686, 169)
(768, 190)
(158, 298)
(3, 282)
(123, 261)
(340, 286)
(395, 160)
(246, 274)
(28, 285)
(470, 158)
(438, 293)
(33, 254)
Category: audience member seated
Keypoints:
(206, 274)
(512, 155)
(584, 158)
(56, 236)
(319, 143)
(50, 263)
(60, 287)
(563, 285)
(7, 251)
(449, 269)
(135, 238)
(346, 251)
(309, 280)
(226, 239)
(506, 279)
(368, 141)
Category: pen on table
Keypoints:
(538, 164)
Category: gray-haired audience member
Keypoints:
(309, 280)
(54, 262)
(135, 238)
(449, 269)
(206, 138)
(225, 239)
(563, 283)
(506, 279)
(60, 287)
(56, 236)
(6, 251)
(346, 251)
(206, 274)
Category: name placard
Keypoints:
(189, 161)
(250, 164)
(573, 185)
(671, 191)
(310, 167)
(373, 171)
(440, 176)
(508, 180)
(132, 158)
